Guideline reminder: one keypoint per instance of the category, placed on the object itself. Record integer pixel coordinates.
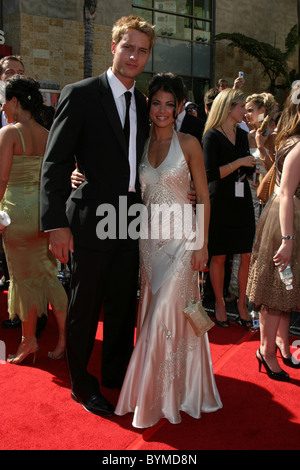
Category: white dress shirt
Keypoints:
(179, 120)
(3, 119)
(118, 90)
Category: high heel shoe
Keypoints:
(60, 355)
(246, 323)
(281, 376)
(242, 321)
(289, 361)
(223, 324)
(27, 346)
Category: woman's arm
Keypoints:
(210, 154)
(225, 170)
(289, 181)
(7, 143)
(194, 157)
(263, 143)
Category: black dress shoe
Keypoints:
(4, 284)
(96, 404)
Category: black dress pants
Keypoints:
(107, 279)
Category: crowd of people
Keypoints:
(150, 152)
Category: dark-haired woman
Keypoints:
(170, 369)
(32, 268)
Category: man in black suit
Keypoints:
(192, 125)
(91, 126)
(185, 121)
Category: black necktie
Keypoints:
(127, 121)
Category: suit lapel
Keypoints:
(111, 111)
(140, 120)
(112, 115)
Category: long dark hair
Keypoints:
(170, 83)
(27, 92)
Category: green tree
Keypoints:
(89, 15)
(272, 59)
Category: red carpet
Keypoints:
(38, 414)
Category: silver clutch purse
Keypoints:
(197, 316)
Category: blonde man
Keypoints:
(91, 124)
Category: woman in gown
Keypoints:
(277, 245)
(232, 225)
(32, 267)
(170, 368)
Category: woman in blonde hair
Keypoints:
(228, 161)
(260, 110)
(277, 245)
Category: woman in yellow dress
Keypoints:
(32, 268)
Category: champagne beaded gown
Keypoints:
(170, 369)
(32, 267)
(264, 284)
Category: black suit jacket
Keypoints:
(192, 125)
(1, 112)
(87, 128)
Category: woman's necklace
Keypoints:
(225, 133)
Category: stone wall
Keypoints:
(53, 48)
(49, 36)
(264, 20)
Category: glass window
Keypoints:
(143, 81)
(181, 7)
(202, 31)
(198, 8)
(170, 55)
(146, 14)
(201, 60)
(172, 26)
(143, 3)
(203, 9)
(149, 66)
(183, 45)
